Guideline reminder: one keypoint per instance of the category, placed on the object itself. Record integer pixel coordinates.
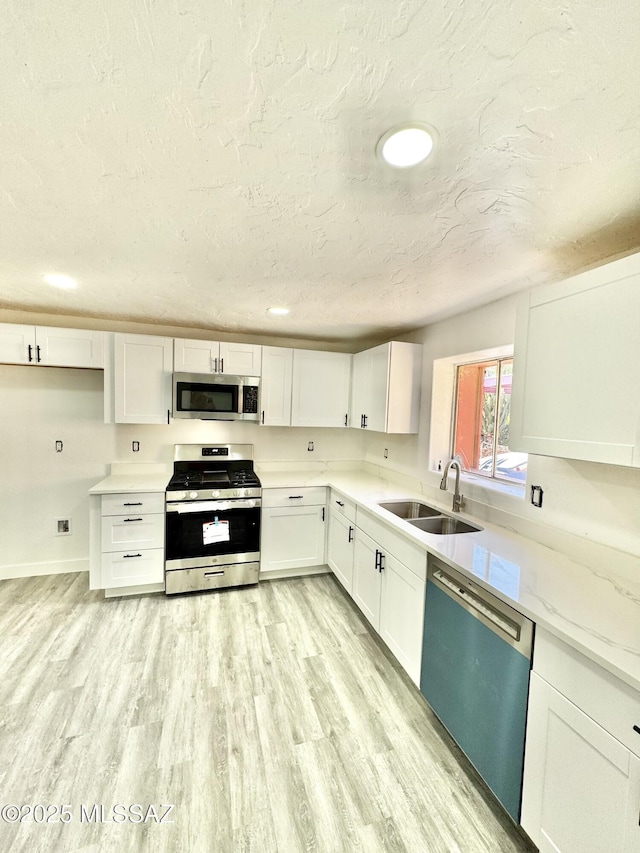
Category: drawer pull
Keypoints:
(138, 503)
(130, 556)
(637, 729)
(295, 497)
(133, 519)
(213, 574)
(340, 503)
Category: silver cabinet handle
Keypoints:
(215, 365)
(222, 365)
(213, 574)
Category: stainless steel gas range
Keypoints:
(213, 505)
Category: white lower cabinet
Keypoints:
(341, 548)
(388, 592)
(293, 529)
(367, 580)
(581, 791)
(131, 541)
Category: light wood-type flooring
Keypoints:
(270, 717)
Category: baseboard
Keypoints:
(294, 573)
(52, 567)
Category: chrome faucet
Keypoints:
(458, 499)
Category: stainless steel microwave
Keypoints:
(215, 397)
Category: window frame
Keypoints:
(486, 360)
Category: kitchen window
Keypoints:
(482, 409)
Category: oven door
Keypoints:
(209, 533)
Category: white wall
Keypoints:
(598, 502)
(39, 405)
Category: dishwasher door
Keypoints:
(476, 661)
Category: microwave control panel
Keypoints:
(250, 399)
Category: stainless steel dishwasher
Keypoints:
(476, 661)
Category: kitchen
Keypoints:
(590, 510)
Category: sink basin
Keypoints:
(409, 509)
(444, 525)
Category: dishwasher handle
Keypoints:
(503, 620)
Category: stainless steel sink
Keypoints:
(409, 509)
(443, 525)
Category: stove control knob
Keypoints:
(193, 494)
(237, 492)
(215, 493)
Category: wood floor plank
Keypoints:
(270, 717)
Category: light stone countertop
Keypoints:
(595, 611)
(134, 477)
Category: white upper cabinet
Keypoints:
(142, 374)
(51, 346)
(576, 383)
(385, 394)
(275, 386)
(193, 356)
(321, 386)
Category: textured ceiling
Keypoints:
(195, 162)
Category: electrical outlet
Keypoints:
(536, 495)
(63, 527)
(386, 453)
(135, 446)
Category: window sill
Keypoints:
(514, 490)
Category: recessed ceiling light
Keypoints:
(278, 312)
(59, 280)
(406, 145)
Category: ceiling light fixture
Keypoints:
(278, 312)
(58, 280)
(406, 145)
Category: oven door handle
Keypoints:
(213, 506)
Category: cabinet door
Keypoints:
(17, 344)
(376, 411)
(321, 384)
(275, 386)
(340, 549)
(581, 788)
(292, 538)
(366, 578)
(191, 356)
(240, 359)
(69, 347)
(576, 386)
(142, 379)
(402, 614)
(360, 388)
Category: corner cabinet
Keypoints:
(576, 386)
(307, 388)
(385, 383)
(581, 791)
(49, 346)
(293, 530)
(138, 380)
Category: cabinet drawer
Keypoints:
(133, 531)
(342, 505)
(607, 700)
(394, 543)
(308, 495)
(133, 567)
(140, 503)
